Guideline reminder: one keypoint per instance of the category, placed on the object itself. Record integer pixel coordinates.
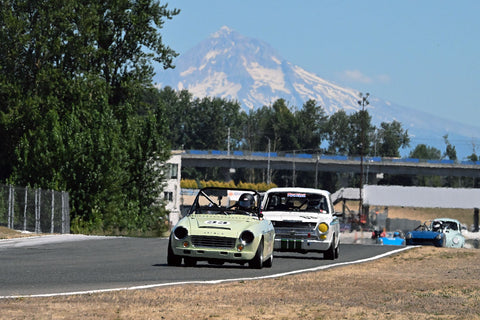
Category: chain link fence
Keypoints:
(34, 210)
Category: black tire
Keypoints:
(172, 258)
(269, 262)
(337, 251)
(257, 261)
(190, 262)
(330, 253)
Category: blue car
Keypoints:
(391, 239)
(443, 232)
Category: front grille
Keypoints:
(294, 224)
(422, 241)
(297, 230)
(213, 242)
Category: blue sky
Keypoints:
(424, 54)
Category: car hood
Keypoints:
(295, 216)
(392, 241)
(220, 224)
(424, 234)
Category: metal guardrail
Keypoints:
(34, 210)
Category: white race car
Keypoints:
(304, 220)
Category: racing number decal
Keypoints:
(217, 222)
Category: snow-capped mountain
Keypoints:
(231, 66)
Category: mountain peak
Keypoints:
(232, 66)
(223, 32)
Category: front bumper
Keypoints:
(424, 242)
(222, 254)
(301, 245)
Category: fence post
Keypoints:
(475, 220)
(52, 218)
(25, 210)
(9, 210)
(65, 212)
(11, 206)
(38, 200)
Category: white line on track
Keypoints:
(208, 281)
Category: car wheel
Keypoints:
(257, 261)
(330, 253)
(337, 251)
(172, 258)
(190, 262)
(269, 262)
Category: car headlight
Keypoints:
(408, 236)
(247, 237)
(180, 233)
(438, 237)
(323, 227)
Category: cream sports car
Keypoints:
(223, 225)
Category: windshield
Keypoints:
(226, 201)
(296, 201)
(438, 225)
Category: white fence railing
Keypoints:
(34, 210)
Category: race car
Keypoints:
(223, 225)
(442, 232)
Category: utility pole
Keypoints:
(363, 102)
(268, 164)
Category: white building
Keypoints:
(171, 192)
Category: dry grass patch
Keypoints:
(6, 233)
(421, 283)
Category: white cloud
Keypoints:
(383, 78)
(358, 77)
(355, 76)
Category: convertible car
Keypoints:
(223, 225)
(391, 239)
(443, 232)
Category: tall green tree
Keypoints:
(283, 125)
(179, 116)
(361, 132)
(450, 150)
(422, 151)
(391, 138)
(72, 79)
(312, 121)
(259, 131)
(338, 134)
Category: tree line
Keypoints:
(216, 123)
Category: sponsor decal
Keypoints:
(296, 195)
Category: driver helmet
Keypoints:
(437, 225)
(246, 201)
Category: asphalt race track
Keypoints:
(73, 264)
